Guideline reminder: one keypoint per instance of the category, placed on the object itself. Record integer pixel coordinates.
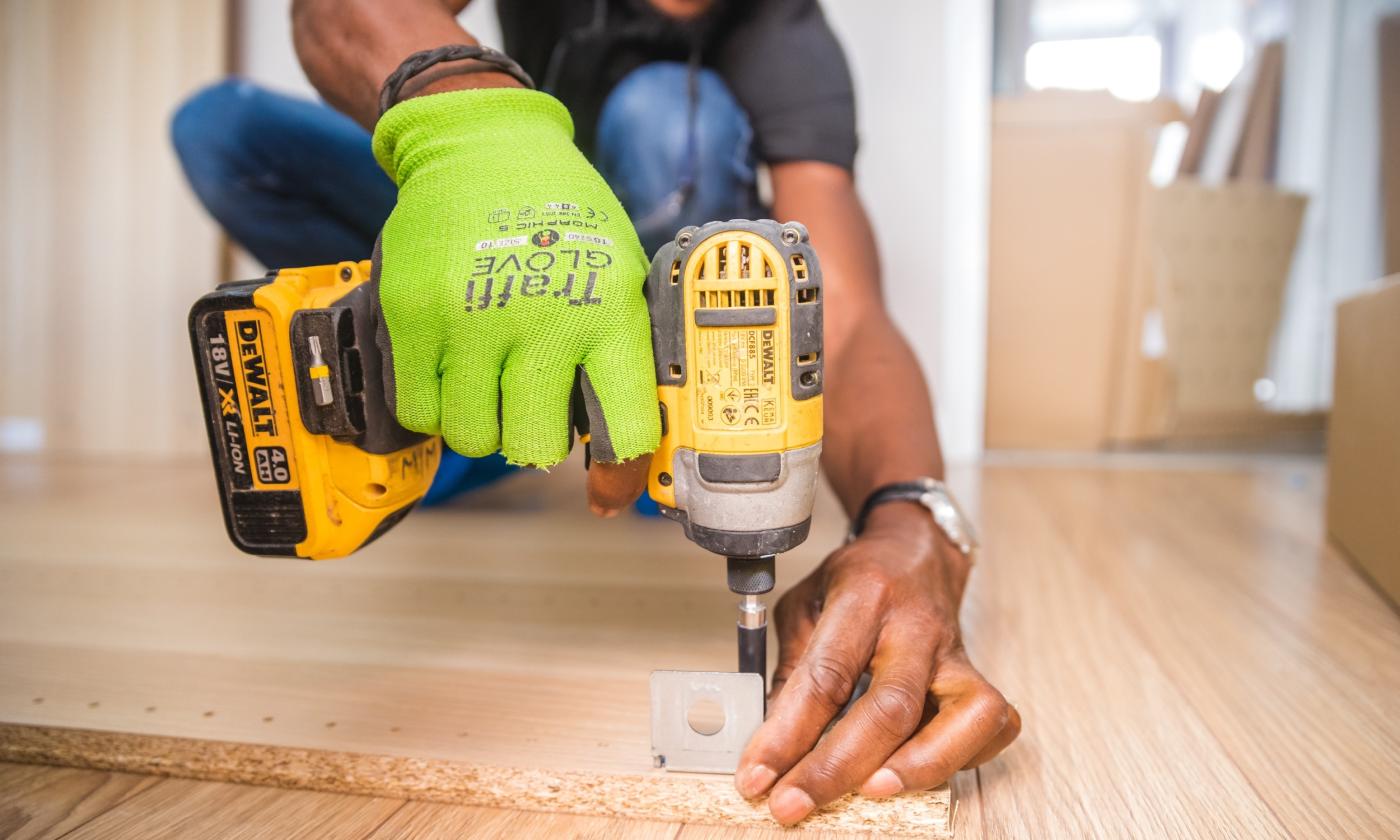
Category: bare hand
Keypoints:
(887, 603)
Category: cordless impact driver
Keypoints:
(311, 463)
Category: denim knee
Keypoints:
(211, 132)
(644, 145)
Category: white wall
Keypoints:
(923, 107)
(265, 46)
(923, 80)
(1329, 149)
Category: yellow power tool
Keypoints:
(736, 325)
(311, 463)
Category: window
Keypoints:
(1129, 67)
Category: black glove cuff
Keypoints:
(420, 61)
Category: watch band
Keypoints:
(420, 61)
(931, 494)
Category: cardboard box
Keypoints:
(1068, 182)
(1363, 441)
(1120, 314)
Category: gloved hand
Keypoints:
(507, 270)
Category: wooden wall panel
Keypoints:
(102, 246)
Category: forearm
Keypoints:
(349, 47)
(879, 417)
(879, 420)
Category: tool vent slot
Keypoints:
(731, 260)
(733, 298)
(799, 268)
(737, 268)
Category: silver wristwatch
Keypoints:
(934, 495)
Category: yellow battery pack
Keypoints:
(309, 461)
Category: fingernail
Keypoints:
(791, 805)
(755, 780)
(599, 510)
(882, 782)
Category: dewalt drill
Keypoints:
(311, 463)
(736, 327)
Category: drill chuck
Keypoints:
(751, 575)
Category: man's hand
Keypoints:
(888, 603)
(486, 335)
(509, 272)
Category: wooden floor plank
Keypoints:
(1311, 720)
(41, 803)
(715, 832)
(1110, 748)
(179, 809)
(48, 802)
(430, 821)
(967, 804)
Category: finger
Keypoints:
(412, 384)
(618, 383)
(1003, 739)
(820, 685)
(794, 618)
(876, 725)
(612, 487)
(535, 393)
(471, 398)
(971, 713)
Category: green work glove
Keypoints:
(507, 271)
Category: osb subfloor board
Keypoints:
(46, 803)
(1189, 656)
(493, 654)
(661, 797)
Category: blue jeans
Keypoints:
(295, 182)
(646, 151)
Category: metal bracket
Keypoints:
(676, 745)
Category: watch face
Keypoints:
(950, 518)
